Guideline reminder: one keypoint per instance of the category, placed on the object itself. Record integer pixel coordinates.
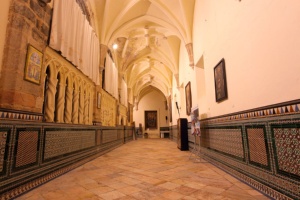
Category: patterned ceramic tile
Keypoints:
(27, 147)
(257, 144)
(226, 140)
(287, 142)
(3, 141)
(62, 142)
(109, 135)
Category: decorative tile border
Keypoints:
(19, 115)
(4, 140)
(287, 108)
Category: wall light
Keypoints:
(115, 46)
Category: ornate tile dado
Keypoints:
(62, 142)
(270, 191)
(226, 140)
(109, 135)
(270, 137)
(27, 147)
(286, 142)
(32, 153)
(268, 183)
(257, 146)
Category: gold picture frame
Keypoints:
(33, 65)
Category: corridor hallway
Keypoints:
(145, 169)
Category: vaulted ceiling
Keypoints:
(149, 34)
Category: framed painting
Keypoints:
(151, 119)
(188, 98)
(220, 81)
(33, 65)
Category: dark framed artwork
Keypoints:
(151, 119)
(220, 81)
(188, 98)
(33, 65)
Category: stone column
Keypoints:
(81, 106)
(75, 106)
(50, 101)
(68, 104)
(86, 108)
(91, 106)
(60, 104)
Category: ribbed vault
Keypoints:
(149, 35)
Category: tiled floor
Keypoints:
(145, 169)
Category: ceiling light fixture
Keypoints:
(115, 46)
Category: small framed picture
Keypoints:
(33, 65)
(188, 98)
(220, 81)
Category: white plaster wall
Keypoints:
(3, 23)
(260, 43)
(186, 74)
(152, 101)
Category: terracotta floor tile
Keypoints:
(169, 185)
(112, 195)
(129, 190)
(150, 169)
(172, 195)
(185, 190)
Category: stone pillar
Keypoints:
(60, 104)
(86, 108)
(81, 106)
(103, 52)
(91, 106)
(27, 23)
(50, 101)
(75, 106)
(97, 111)
(68, 104)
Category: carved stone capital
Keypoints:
(189, 48)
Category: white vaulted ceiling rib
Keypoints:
(149, 34)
